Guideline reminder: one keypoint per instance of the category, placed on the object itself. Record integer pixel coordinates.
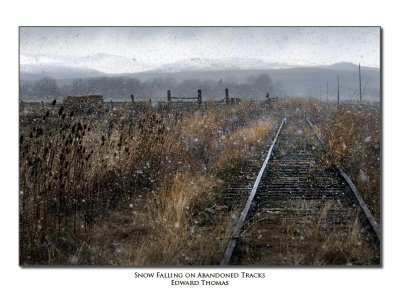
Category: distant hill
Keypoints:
(38, 71)
(296, 81)
(299, 81)
(208, 64)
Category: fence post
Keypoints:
(338, 91)
(199, 96)
(21, 105)
(133, 98)
(169, 96)
(227, 96)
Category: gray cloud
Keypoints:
(154, 46)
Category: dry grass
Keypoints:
(91, 183)
(142, 186)
(306, 242)
(353, 136)
(346, 246)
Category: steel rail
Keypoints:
(243, 215)
(374, 224)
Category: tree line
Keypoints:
(121, 88)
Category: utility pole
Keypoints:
(327, 92)
(320, 92)
(338, 91)
(359, 77)
(199, 98)
(169, 96)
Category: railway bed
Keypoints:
(302, 211)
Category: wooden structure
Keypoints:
(84, 104)
(184, 99)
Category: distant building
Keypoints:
(84, 104)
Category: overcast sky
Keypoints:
(154, 46)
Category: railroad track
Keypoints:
(301, 212)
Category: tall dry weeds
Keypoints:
(81, 174)
(353, 137)
(352, 134)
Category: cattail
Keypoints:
(63, 116)
(71, 114)
(60, 111)
(47, 113)
(39, 131)
(54, 102)
(21, 139)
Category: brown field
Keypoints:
(143, 185)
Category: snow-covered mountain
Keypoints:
(114, 64)
(347, 66)
(38, 71)
(202, 64)
(107, 63)
(111, 64)
(342, 66)
(101, 64)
